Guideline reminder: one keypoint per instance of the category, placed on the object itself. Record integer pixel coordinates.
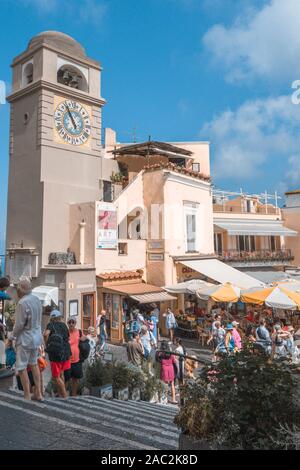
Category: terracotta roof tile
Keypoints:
(177, 169)
(121, 275)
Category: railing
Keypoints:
(263, 210)
(257, 255)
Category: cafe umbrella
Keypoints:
(220, 293)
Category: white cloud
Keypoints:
(263, 43)
(43, 6)
(88, 11)
(254, 138)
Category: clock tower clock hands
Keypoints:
(72, 119)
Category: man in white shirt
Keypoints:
(28, 335)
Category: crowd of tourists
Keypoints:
(143, 348)
(25, 348)
(276, 337)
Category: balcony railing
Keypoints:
(264, 210)
(257, 255)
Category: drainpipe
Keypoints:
(81, 242)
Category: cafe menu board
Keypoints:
(107, 227)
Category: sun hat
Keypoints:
(235, 323)
(55, 314)
(229, 326)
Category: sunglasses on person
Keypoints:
(71, 322)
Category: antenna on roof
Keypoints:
(134, 135)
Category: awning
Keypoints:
(187, 287)
(154, 297)
(46, 294)
(269, 277)
(254, 227)
(222, 273)
(130, 289)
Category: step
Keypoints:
(137, 406)
(119, 414)
(105, 425)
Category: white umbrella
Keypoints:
(188, 287)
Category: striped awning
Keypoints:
(153, 297)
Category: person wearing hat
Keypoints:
(56, 337)
(236, 336)
(229, 339)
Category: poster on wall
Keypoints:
(107, 227)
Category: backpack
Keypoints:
(55, 346)
(84, 348)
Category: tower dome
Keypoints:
(58, 40)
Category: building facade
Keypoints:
(107, 225)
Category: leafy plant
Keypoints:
(136, 377)
(98, 373)
(241, 402)
(9, 313)
(120, 375)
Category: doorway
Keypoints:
(88, 311)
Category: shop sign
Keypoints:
(155, 245)
(107, 227)
(156, 256)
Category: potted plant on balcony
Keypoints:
(239, 403)
(117, 178)
(98, 379)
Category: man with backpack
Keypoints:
(56, 337)
(80, 349)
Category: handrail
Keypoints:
(183, 356)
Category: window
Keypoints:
(122, 248)
(107, 191)
(272, 243)
(190, 220)
(218, 243)
(246, 243)
(196, 167)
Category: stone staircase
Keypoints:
(85, 422)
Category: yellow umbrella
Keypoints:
(220, 293)
(275, 297)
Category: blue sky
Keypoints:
(217, 70)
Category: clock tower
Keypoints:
(56, 156)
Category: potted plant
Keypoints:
(239, 403)
(98, 379)
(120, 380)
(136, 382)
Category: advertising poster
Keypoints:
(107, 227)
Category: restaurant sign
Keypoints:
(107, 227)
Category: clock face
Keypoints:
(72, 122)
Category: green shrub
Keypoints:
(120, 375)
(241, 402)
(98, 373)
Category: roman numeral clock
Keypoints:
(72, 122)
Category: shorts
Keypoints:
(25, 357)
(58, 367)
(75, 372)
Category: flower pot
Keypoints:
(153, 398)
(122, 394)
(103, 391)
(135, 394)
